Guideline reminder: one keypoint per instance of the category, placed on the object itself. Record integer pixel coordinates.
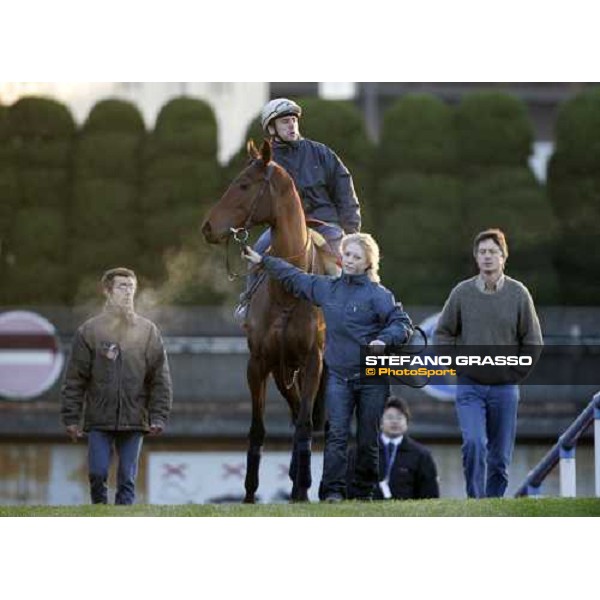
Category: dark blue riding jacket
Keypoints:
(356, 310)
(323, 182)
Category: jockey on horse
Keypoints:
(323, 182)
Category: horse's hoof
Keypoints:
(301, 496)
(248, 500)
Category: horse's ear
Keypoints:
(252, 149)
(265, 152)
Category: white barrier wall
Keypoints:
(201, 477)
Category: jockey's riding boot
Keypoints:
(240, 312)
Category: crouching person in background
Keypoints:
(406, 468)
(117, 385)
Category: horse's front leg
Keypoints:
(257, 381)
(300, 470)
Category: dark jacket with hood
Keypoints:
(323, 182)
(356, 311)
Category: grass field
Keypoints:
(521, 507)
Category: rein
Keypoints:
(240, 234)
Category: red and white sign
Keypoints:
(30, 357)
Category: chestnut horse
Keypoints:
(285, 334)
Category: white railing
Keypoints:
(563, 452)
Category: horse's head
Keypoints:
(247, 200)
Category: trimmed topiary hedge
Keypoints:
(181, 179)
(105, 216)
(114, 116)
(418, 134)
(35, 117)
(578, 133)
(574, 191)
(109, 156)
(493, 129)
(186, 126)
(420, 233)
(40, 134)
(419, 220)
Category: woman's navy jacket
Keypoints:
(356, 310)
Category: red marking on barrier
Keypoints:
(236, 470)
(174, 471)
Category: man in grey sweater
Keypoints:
(490, 309)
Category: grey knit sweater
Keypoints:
(471, 317)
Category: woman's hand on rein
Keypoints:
(251, 256)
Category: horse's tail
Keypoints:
(318, 411)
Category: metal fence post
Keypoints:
(568, 478)
(597, 443)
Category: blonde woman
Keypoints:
(358, 311)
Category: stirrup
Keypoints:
(240, 313)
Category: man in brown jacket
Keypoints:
(117, 382)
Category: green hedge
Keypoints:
(421, 232)
(3, 123)
(105, 215)
(417, 134)
(110, 156)
(177, 167)
(102, 209)
(6, 149)
(422, 240)
(165, 193)
(238, 161)
(574, 191)
(114, 117)
(181, 178)
(578, 133)
(339, 125)
(44, 187)
(35, 117)
(493, 129)
(512, 200)
(575, 199)
(169, 228)
(37, 282)
(39, 232)
(92, 259)
(186, 126)
(439, 192)
(35, 185)
(9, 193)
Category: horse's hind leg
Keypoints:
(257, 381)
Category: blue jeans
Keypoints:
(331, 233)
(487, 415)
(342, 397)
(128, 445)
